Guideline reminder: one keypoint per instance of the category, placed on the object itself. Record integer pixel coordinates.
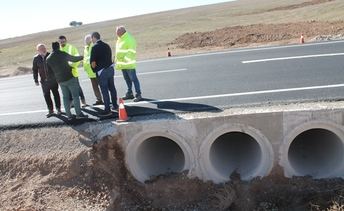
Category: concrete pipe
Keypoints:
(317, 150)
(157, 153)
(236, 148)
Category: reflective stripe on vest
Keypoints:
(126, 63)
(126, 51)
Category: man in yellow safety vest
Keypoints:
(126, 61)
(73, 51)
(88, 69)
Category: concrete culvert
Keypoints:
(235, 151)
(316, 152)
(160, 155)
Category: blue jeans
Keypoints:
(81, 93)
(107, 84)
(70, 89)
(130, 78)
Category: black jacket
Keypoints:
(58, 65)
(102, 55)
(39, 67)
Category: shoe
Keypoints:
(128, 97)
(98, 103)
(50, 114)
(70, 118)
(83, 103)
(114, 108)
(105, 114)
(82, 116)
(59, 112)
(138, 98)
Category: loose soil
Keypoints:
(238, 36)
(40, 172)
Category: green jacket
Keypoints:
(57, 63)
(126, 52)
(86, 61)
(71, 50)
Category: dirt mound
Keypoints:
(40, 172)
(259, 33)
(47, 169)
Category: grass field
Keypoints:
(155, 31)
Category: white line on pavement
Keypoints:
(243, 94)
(210, 96)
(241, 51)
(151, 73)
(292, 57)
(23, 112)
(164, 71)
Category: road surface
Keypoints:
(211, 81)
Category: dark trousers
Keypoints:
(96, 90)
(107, 84)
(130, 78)
(51, 86)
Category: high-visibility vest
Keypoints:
(71, 50)
(86, 61)
(125, 52)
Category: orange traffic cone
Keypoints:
(302, 39)
(122, 113)
(169, 52)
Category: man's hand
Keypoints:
(93, 65)
(37, 84)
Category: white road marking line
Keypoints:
(243, 94)
(292, 57)
(150, 73)
(210, 96)
(23, 112)
(15, 77)
(241, 51)
(164, 71)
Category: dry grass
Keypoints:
(155, 31)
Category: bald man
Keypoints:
(48, 81)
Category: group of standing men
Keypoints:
(60, 68)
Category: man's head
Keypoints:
(95, 37)
(88, 39)
(41, 49)
(62, 40)
(55, 46)
(120, 30)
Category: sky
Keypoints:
(20, 17)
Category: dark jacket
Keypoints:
(58, 64)
(102, 55)
(39, 67)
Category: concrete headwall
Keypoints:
(211, 147)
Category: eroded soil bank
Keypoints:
(63, 169)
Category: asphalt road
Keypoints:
(212, 81)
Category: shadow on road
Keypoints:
(168, 108)
(187, 107)
(74, 121)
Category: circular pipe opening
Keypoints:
(316, 152)
(160, 155)
(235, 151)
